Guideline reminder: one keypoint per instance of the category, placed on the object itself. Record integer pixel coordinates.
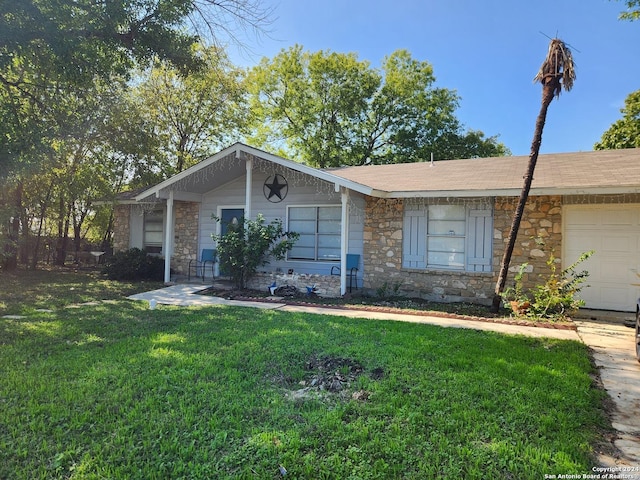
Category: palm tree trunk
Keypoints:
(548, 92)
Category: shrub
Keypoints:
(556, 297)
(249, 244)
(515, 297)
(134, 264)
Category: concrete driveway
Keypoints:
(614, 353)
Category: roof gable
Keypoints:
(204, 176)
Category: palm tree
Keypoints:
(556, 73)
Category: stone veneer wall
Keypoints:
(121, 227)
(326, 285)
(542, 219)
(383, 251)
(185, 246)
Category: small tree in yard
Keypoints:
(249, 244)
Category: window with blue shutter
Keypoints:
(448, 237)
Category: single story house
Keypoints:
(432, 230)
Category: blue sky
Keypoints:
(488, 51)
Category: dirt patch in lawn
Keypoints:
(332, 376)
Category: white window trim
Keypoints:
(315, 261)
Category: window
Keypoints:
(152, 237)
(448, 237)
(446, 226)
(319, 229)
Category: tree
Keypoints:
(633, 10)
(51, 48)
(191, 116)
(78, 168)
(624, 133)
(329, 109)
(556, 73)
(47, 45)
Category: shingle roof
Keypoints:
(603, 171)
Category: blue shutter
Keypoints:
(479, 240)
(414, 239)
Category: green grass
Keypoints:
(26, 291)
(116, 390)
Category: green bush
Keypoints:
(249, 244)
(557, 297)
(134, 264)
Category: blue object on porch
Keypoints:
(208, 256)
(353, 262)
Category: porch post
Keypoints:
(168, 244)
(247, 199)
(344, 239)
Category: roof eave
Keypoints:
(510, 192)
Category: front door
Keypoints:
(229, 216)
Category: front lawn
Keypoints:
(115, 390)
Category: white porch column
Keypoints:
(168, 239)
(247, 199)
(344, 239)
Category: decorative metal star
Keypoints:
(276, 186)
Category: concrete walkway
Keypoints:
(184, 296)
(612, 344)
(613, 349)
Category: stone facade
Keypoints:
(383, 234)
(382, 254)
(540, 234)
(121, 227)
(326, 285)
(185, 233)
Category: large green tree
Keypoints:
(624, 133)
(49, 45)
(190, 116)
(329, 109)
(56, 49)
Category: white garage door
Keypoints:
(613, 231)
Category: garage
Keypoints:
(613, 231)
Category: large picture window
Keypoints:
(448, 237)
(319, 229)
(152, 238)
